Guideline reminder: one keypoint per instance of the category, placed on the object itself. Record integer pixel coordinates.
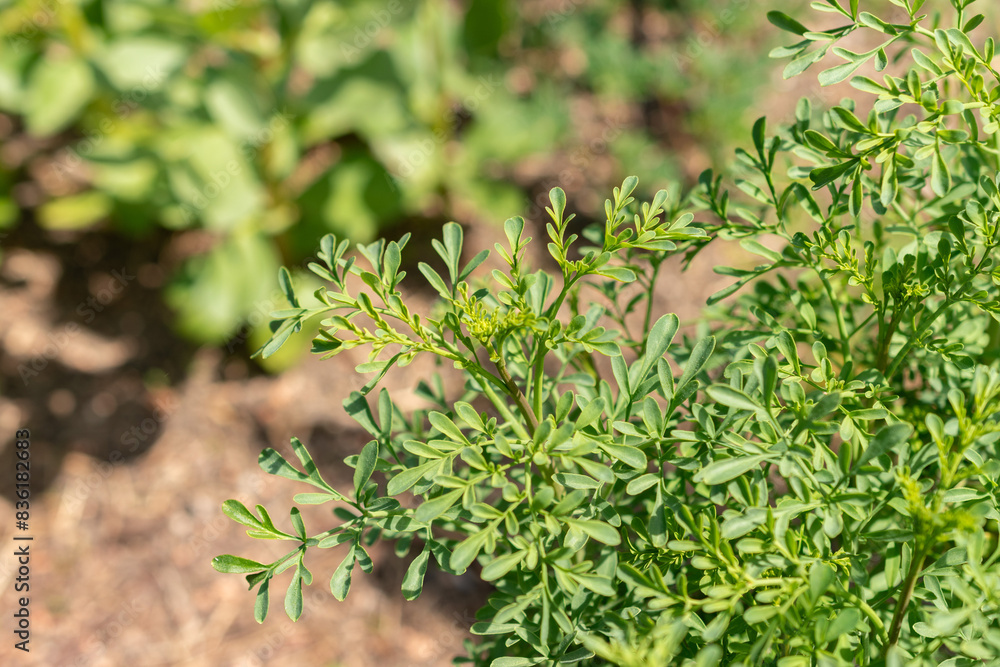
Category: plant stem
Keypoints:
(539, 375)
(514, 391)
(901, 355)
(916, 565)
(839, 313)
(872, 616)
(649, 306)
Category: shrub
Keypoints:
(815, 483)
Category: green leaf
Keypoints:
(262, 601)
(75, 212)
(235, 565)
(839, 73)
(733, 398)
(413, 580)
(821, 575)
(590, 413)
(340, 582)
(274, 463)
(574, 481)
(365, 467)
(940, 176)
(435, 507)
(755, 615)
(757, 248)
(407, 478)
(287, 288)
(719, 472)
(619, 273)
(58, 90)
(823, 176)
(784, 22)
(888, 438)
(293, 597)
(446, 426)
(845, 623)
(238, 512)
(501, 565)
(700, 354)
(659, 339)
(474, 264)
(509, 661)
(316, 498)
(630, 456)
(436, 281)
(467, 550)
(297, 523)
(598, 530)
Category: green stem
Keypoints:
(539, 375)
(649, 306)
(838, 311)
(872, 616)
(911, 341)
(916, 565)
(514, 391)
(504, 410)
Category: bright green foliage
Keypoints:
(816, 482)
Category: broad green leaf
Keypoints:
(58, 90)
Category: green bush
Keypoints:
(817, 482)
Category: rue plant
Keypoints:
(813, 478)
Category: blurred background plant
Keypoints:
(236, 133)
